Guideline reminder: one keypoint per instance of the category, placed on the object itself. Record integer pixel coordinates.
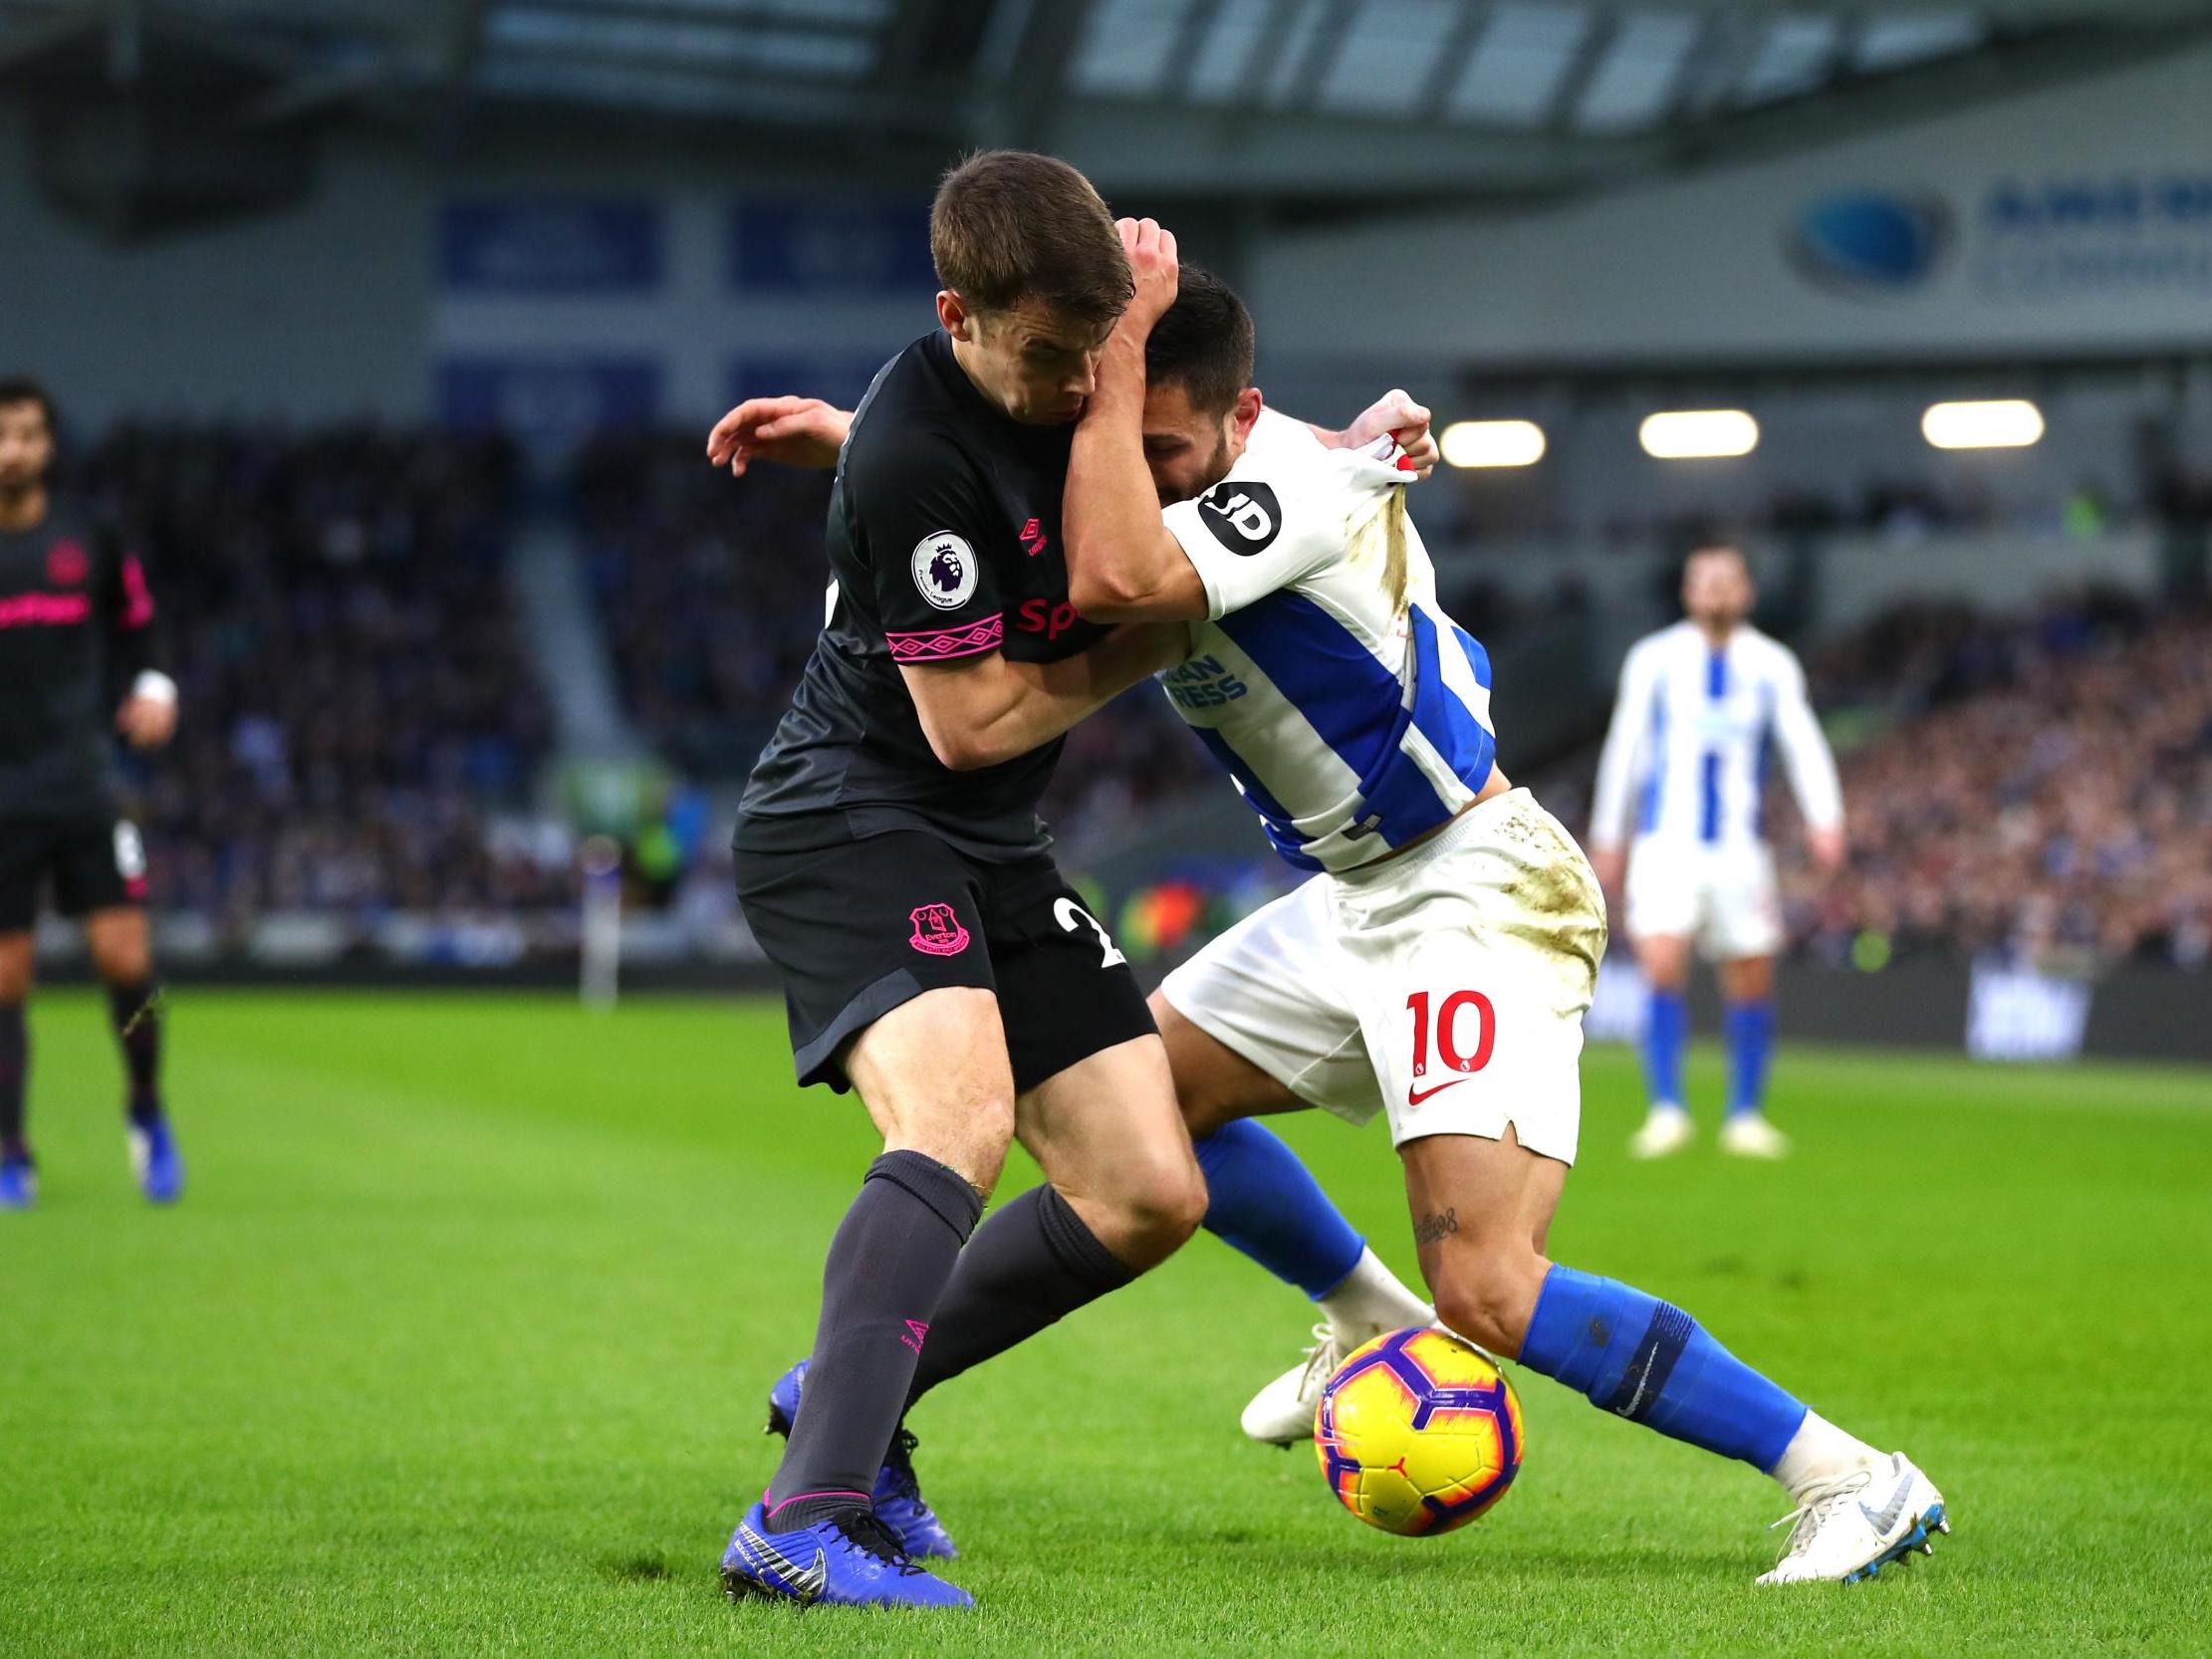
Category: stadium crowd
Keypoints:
(365, 722)
(358, 700)
(711, 593)
(2041, 787)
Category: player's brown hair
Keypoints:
(1203, 343)
(1010, 225)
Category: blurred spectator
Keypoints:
(711, 591)
(355, 696)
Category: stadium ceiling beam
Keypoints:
(1294, 155)
(2003, 69)
(1026, 114)
(1450, 68)
(1190, 39)
(1590, 53)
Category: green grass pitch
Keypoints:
(459, 1342)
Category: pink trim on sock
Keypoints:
(788, 1502)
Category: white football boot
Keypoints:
(1667, 1129)
(1747, 1134)
(1852, 1527)
(1282, 1413)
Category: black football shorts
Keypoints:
(859, 929)
(95, 860)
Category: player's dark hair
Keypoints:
(1010, 225)
(21, 388)
(1203, 343)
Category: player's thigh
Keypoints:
(1106, 1133)
(1265, 1019)
(1665, 904)
(1743, 919)
(1474, 962)
(121, 944)
(857, 929)
(25, 853)
(934, 1077)
(99, 865)
(16, 959)
(1214, 1085)
(1481, 1208)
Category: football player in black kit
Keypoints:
(892, 865)
(75, 619)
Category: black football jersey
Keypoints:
(944, 544)
(74, 618)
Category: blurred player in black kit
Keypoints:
(76, 621)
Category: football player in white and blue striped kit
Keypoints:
(1703, 705)
(1437, 963)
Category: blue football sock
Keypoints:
(1264, 1202)
(1749, 1029)
(1667, 1033)
(1647, 1361)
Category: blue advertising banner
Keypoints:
(548, 399)
(785, 246)
(550, 245)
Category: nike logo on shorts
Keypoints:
(1415, 1096)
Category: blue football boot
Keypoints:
(156, 1162)
(851, 1560)
(897, 1495)
(19, 1182)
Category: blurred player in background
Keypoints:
(76, 618)
(1686, 755)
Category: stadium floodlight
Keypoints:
(1492, 443)
(2003, 423)
(1699, 434)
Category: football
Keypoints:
(1418, 1433)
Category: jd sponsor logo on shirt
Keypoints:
(944, 570)
(1245, 518)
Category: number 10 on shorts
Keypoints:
(1464, 1018)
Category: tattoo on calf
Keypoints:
(1430, 1228)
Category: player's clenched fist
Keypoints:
(798, 432)
(1153, 265)
(1396, 413)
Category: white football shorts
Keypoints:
(1723, 897)
(1444, 988)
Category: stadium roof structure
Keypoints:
(1318, 104)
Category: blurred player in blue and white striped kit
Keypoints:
(1702, 706)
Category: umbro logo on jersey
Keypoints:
(805, 1583)
(1244, 516)
(945, 573)
(1033, 538)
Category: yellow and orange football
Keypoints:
(1418, 1433)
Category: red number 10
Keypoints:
(1447, 1034)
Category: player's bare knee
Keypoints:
(1488, 1295)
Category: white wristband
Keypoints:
(155, 686)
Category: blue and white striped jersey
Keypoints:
(1687, 757)
(1351, 712)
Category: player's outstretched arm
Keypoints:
(798, 432)
(986, 710)
(1123, 564)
